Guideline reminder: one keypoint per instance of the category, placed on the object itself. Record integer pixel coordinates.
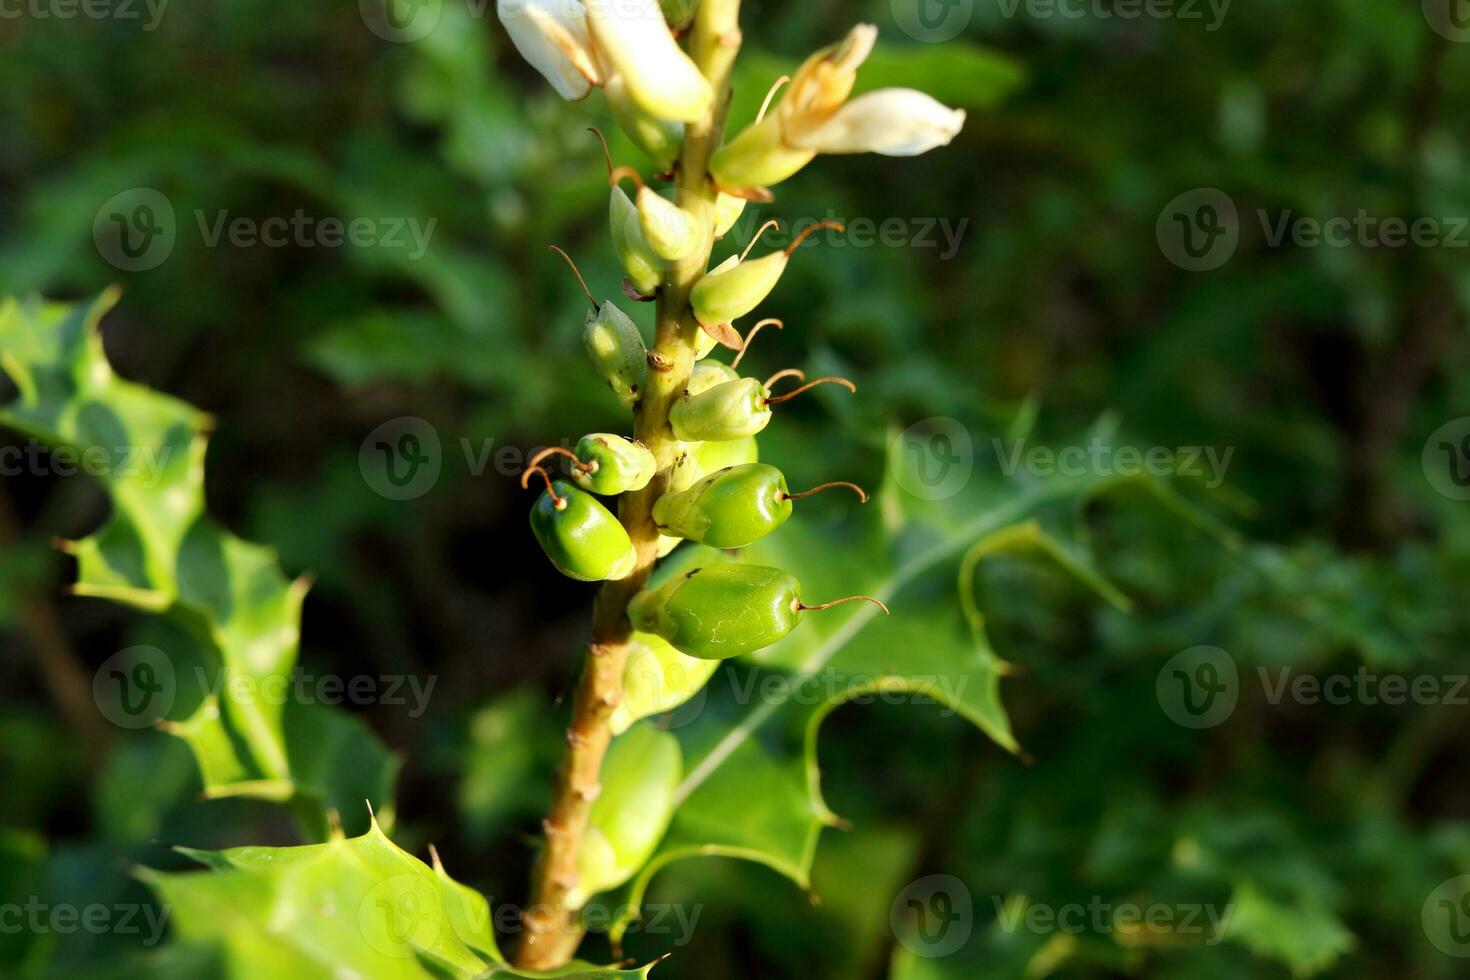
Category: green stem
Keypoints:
(553, 929)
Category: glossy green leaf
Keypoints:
(752, 750)
(160, 551)
(356, 906)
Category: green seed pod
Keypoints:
(639, 778)
(722, 611)
(732, 507)
(727, 293)
(703, 458)
(580, 536)
(617, 351)
(610, 465)
(661, 139)
(731, 410)
(658, 678)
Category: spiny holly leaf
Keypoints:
(356, 906)
(160, 551)
(752, 785)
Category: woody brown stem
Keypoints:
(553, 929)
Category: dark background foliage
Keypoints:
(1322, 369)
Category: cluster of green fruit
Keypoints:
(719, 494)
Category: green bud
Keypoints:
(671, 232)
(617, 351)
(638, 259)
(679, 13)
(722, 611)
(730, 291)
(610, 465)
(703, 458)
(758, 157)
(639, 778)
(728, 209)
(707, 374)
(661, 139)
(580, 536)
(731, 410)
(658, 678)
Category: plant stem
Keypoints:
(553, 929)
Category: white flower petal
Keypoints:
(897, 122)
(635, 38)
(552, 36)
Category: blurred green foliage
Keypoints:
(1323, 828)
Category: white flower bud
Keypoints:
(634, 37)
(552, 36)
(896, 122)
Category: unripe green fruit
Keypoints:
(617, 351)
(728, 293)
(720, 611)
(730, 410)
(639, 778)
(730, 508)
(638, 259)
(580, 536)
(658, 678)
(610, 465)
(703, 458)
